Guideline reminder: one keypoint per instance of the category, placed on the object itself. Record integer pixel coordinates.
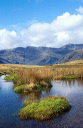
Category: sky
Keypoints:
(50, 23)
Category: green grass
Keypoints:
(46, 109)
(71, 76)
(20, 89)
(24, 88)
(11, 77)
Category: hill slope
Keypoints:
(38, 55)
(76, 55)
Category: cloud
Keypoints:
(9, 39)
(80, 10)
(63, 30)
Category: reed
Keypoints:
(32, 76)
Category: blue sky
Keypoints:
(23, 11)
(22, 20)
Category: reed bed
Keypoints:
(45, 75)
(31, 75)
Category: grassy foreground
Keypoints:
(46, 109)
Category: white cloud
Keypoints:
(80, 10)
(63, 30)
(9, 39)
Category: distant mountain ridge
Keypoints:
(40, 55)
(75, 55)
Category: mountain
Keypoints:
(30, 55)
(3, 61)
(76, 55)
(37, 55)
(73, 47)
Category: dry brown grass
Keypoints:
(75, 62)
(33, 77)
(39, 74)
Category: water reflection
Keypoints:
(66, 87)
(35, 95)
(5, 87)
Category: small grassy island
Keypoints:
(32, 84)
(46, 109)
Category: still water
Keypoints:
(10, 104)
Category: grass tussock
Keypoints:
(46, 109)
(32, 80)
(11, 77)
(20, 89)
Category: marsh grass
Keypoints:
(30, 78)
(46, 109)
(11, 77)
(20, 89)
(71, 76)
(37, 77)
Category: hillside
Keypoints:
(76, 55)
(40, 55)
